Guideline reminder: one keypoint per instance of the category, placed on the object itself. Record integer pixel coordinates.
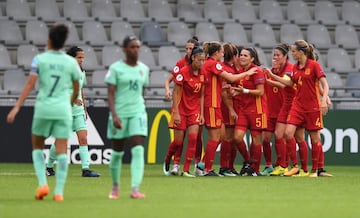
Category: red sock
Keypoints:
(225, 153)
(190, 151)
(199, 147)
(304, 155)
(321, 162)
(178, 152)
(255, 155)
(209, 156)
(315, 151)
(267, 153)
(291, 150)
(281, 152)
(172, 148)
(243, 151)
(233, 153)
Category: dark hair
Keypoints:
(73, 51)
(230, 51)
(194, 40)
(128, 39)
(194, 52)
(211, 47)
(58, 35)
(253, 54)
(283, 47)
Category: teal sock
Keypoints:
(115, 165)
(137, 165)
(52, 156)
(39, 166)
(61, 174)
(84, 156)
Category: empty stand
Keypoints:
(326, 13)
(346, 36)
(168, 56)
(103, 10)
(215, 11)
(111, 54)
(160, 10)
(207, 31)
(133, 11)
(100, 88)
(12, 35)
(36, 32)
(25, 55)
(178, 33)
(189, 10)
(90, 61)
(350, 12)
(357, 59)
(244, 12)
(147, 57)
(119, 30)
(152, 35)
(319, 35)
(235, 33)
(73, 37)
(263, 35)
(13, 81)
(270, 12)
(5, 61)
(47, 10)
(93, 32)
(18, 10)
(338, 60)
(353, 81)
(336, 84)
(289, 33)
(76, 11)
(299, 12)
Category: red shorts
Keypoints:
(271, 123)
(283, 114)
(213, 117)
(309, 120)
(186, 121)
(227, 120)
(253, 122)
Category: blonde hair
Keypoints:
(307, 48)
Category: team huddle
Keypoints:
(224, 88)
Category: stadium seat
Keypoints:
(338, 60)
(103, 10)
(156, 83)
(289, 33)
(244, 12)
(10, 33)
(189, 11)
(216, 12)
(178, 33)
(25, 55)
(47, 10)
(270, 12)
(318, 35)
(207, 31)
(18, 10)
(147, 57)
(5, 61)
(357, 59)
(133, 11)
(13, 81)
(346, 36)
(352, 105)
(76, 11)
(262, 57)
(235, 33)
(111, 54)
(119, 30)
(97, 79)
(350, 12)
(353, 81)
(326, 13)
(336, 84)
(36, 32)
(152, 35)
(168, 56)
(93, 32)
(161, 11)
(263, 35)
(90, 61)
(298, 12)
(73, 37)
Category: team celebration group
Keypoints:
(222, 87)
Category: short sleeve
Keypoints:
(179, 79)
(35, 65)
(217, 68)
(110, 76)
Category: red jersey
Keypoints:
(189, 101)
(213, 82)
(250, 104)
(224, 109)
(180, 64)
(289, 92)
(307, 97)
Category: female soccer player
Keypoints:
(214, 75)
(127, 118)
(189, 46)
(79, 122)
(188, 107)
(252, 109)
(58, 73)
(307, 108)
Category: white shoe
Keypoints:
(198, 172)
(175, 170)
(166, 169)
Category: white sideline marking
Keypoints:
(15, 174)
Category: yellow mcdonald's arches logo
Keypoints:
(154, 134)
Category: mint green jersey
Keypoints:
(56, 72)
(129, 82)
(79, 109)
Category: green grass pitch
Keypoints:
(176, 197)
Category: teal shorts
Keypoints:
(60, 129)
(131, 126)
(79, 123)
